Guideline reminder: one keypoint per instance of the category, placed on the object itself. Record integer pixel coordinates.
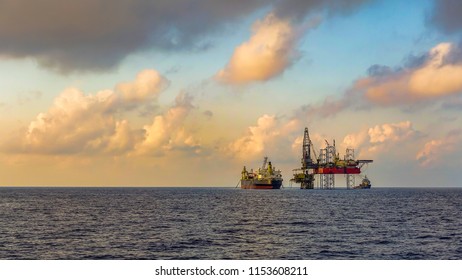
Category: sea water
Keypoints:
(229, 223)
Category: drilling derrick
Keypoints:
(307, 161)
(327, 165)
(305, 175)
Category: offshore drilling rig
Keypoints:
(327, 165)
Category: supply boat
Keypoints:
(365, 184)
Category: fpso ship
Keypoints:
(265, 177)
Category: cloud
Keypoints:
(90, 35)
(253, 143)
(148, 84)
(437, 75)
(208, 114)
(453, 103)
(433, 76)
(446, 15)
(168, 131)
(381, 138)
(328, 108)
(298, 9)
(439, 151)
(393, 132)
(267, 54)
(97, 35)
(76, 122)
(357, 140)
(269, 134)
(122, 139)
(82, 123)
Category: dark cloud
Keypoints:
(446, 15)
(333, 105)
(300, 8)
(208, 114)
(415, 61)
(97, 35)
(454, 103)
(455, 56)
(377, 70)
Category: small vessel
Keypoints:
(266, 177)
(365, 184)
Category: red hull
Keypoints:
(259, 187)
(261, 184)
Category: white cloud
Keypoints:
(391, 132)
(381, 138)
(267, 54)
(356, 140)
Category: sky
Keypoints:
(187, 92)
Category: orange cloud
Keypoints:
(147, 85)
(75, 122)
(436, 77)
(439, 75)
(168, 132)
(82, 123)
(269, 134)
(437, 151)
(122, 139)
(253, 143)
(267, 54)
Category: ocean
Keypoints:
(229, 223)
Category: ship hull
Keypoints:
(362, 187)
(261, 184)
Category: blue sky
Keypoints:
(118, 100)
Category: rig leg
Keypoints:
(350, 181)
